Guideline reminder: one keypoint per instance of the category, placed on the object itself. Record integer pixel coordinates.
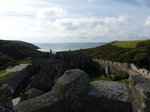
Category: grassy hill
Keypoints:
(137, 52)
(26, 44)
(127, 44)
(11, 52)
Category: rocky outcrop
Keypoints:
(59, 74)
(109, 96)
(30, 94)
(44, 80)
(6, 98)
(140, 93)
(74, 92)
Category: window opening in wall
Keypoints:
(39, 67)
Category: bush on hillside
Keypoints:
(139, 55)
(141, 59)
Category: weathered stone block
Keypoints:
(73, 92)
(140, 93)
(6, 98)
(109, 96)
(19, 77)
(30, 94)
(43, 80)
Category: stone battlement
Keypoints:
(123, 67)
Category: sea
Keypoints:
(55, 47)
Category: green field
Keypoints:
(127, 44)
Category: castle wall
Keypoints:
(76, 60)
(122, 67)
(6, 98)
(19, 77)
(139, 83)
(140, 93)
(114, 66)
(63, 60)
(143, 72)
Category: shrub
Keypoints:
(141, 58)
(119, 75)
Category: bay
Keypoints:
(55, 47)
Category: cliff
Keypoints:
(11, 52)
(26, 44)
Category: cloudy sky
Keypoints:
(58, 21)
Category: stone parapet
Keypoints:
(140, 93)
(19, 77)
(122, 67)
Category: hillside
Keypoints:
(127, 44)
(123, 52)
(26, 44)
(11, 52)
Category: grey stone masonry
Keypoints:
(6, 98)
(74, 93)
(140, 93)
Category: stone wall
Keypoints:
(122, 67)
(140, 93)
(74, 93)
(72, 60)
(6, 98)
(143, 72)
(114, 66)
(19, 77)
(62, 61)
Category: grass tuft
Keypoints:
(95, 76)
(124, 81)
(2, 71)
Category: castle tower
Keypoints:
(50, 52)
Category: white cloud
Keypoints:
(108, 28)
(91, 0)
(40, 20)
(124, 19)
(53, 12)
(73, 24)
(147, 22)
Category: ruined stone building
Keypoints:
(61, 60)
(51, 87)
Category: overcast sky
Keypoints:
(59, 21)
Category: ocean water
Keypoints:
(66, 46)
